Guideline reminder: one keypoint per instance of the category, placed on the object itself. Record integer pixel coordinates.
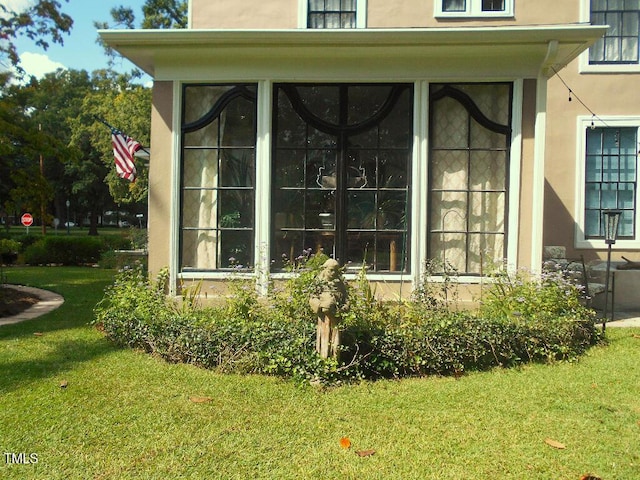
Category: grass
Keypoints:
(126, 415)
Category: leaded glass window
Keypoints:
(341, 164)
(218, 177)
(331, 13)
(470, 137)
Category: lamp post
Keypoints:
(68, 203)
(611, 221)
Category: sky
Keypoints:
(80, 50)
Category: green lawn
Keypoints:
(125, 414)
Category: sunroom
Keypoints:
(380, 148)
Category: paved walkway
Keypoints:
(48, 301)
(625, 319)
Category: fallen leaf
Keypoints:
(345, 443)
(590, 476)
(200, 399)
(365, 453)
(38, 334)
(555, 444)
(63, 384)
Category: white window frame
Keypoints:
(585, 66)
(361, 13)
(585, 122)
(474, 10)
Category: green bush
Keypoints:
(9, 250)
(419, 337)
(64, 250)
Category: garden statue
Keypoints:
(326, 304)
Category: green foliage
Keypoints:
(529, 297)
(9, 251)
(41, 21)
(276, 336)
(67, 250)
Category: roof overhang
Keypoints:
(483, 52)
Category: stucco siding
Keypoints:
(249, 14)
(606, 95)
(160, 177)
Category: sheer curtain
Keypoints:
(454, 5)
(468, 171)
(200, 243)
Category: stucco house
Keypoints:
(388, 133)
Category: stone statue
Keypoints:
(326, 304)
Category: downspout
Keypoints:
(540, 137)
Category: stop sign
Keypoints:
(27, 219)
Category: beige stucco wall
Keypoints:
(231, 14)
(420, 13)
(604, 94)
(160, 177)
(283, 14)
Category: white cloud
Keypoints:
(38, 64)
(17, 5)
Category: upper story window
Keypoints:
(619, 46)
(332, 14)
(327, 14)
(474, 8)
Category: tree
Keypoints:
(42, 21)
(156, 14)
(55, 118)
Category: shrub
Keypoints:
(9, 250)
(65, 250)
(419, 337)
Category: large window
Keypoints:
(474, 8)
(620, 43)
(331, 13)
(470, 138)
(218, 177)
(341, 163)
(610, 179)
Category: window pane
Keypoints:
(626, 198)
(200, 209)
(592, 199)
(628, 168)
(592, 223)
(594, 169)
(393, 169)
(609, 196)
(630, 49)
(237, 168)
(492, 5)
(454, 5)
(236, 249)
(361, 208)
(625, 227)
(392, 210)
(290, 165)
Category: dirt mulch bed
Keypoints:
(14, 301)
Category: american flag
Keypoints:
(124, 148)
